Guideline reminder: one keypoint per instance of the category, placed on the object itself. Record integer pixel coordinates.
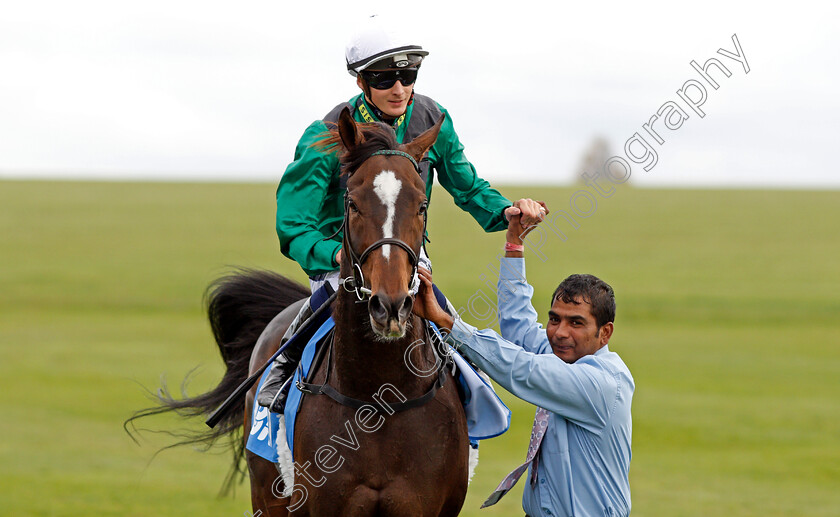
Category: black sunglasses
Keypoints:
(386, 79)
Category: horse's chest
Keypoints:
(381, 448)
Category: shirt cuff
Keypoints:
(334, 253)
(513, 269)
(460, 334)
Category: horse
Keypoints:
(390, 438)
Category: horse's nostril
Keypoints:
(377, 310)
(405, 310)
(384, 309)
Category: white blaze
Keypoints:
(387, 187)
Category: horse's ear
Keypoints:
(418, 147)
(348, 130)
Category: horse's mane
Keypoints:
(376, 136)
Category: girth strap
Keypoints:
(344, 400)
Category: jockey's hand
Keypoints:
(426, 305)
(522, 217)
(338, 257)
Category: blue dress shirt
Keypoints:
(584, 458)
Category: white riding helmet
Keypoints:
(377, 43)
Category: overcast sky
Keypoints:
(223, 90)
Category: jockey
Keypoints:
(310, 197)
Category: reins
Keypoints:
(305, 385)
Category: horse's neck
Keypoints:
(362, 364)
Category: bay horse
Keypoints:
(399, 447)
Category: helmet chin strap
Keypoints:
(381, 115)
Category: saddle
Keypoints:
(487, 416)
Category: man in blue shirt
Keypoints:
(581, 441)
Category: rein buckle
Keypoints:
(302, 388)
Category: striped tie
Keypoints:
(537, 433)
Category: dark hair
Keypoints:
(593, 291)
(376, 136)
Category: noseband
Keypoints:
(357, 281)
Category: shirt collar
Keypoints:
(370, 113)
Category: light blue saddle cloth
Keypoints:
(487, 416)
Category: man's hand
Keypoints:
(426, 305)
(522, 217)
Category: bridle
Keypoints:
(356, 283)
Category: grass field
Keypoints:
(728, 317)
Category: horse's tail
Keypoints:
(239, 306)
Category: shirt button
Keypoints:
(542, 481)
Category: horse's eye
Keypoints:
(423, 208)
(353, 207)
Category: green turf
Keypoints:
(727, 317)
